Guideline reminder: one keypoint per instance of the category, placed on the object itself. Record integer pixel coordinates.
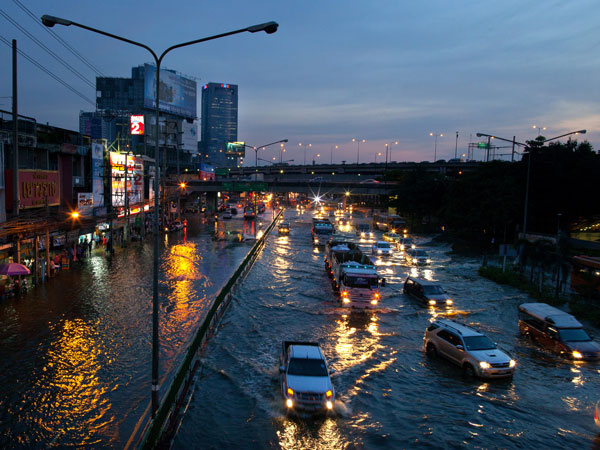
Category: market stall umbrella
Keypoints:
(13, 269)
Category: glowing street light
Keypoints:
(358, 141)
(540, 129)
(435, 148)
(300, 144)
(331, 150)
(269, 28)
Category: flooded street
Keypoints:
(75, 353)
(389, 393)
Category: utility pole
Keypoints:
(15, 146)
(512, 157)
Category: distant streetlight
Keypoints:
(435, 147)
(376, 155)
(358, 141)
(540, 129)
(316, 155)
(331, 150)
(269, 28)
(300, 144)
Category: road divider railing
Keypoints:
(166, 418)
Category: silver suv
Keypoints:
(471, 350)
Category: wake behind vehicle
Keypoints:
(353, 275)
(557, 331)
(392, 237)
(469, 349)
(427, 292)
(304, 377)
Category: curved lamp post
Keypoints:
(435, 147)
(358, 141)
(269, 28)
(300, 144)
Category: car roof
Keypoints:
(553, 315)
(306, 351)
(461, 329)
(423, 281)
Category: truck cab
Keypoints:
(304, 377)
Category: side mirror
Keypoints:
(281, 369)
(460, 347)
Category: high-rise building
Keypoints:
(219, 123)
(118, 98)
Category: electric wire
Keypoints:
(42, 68)
(59, 39)
(43, 46)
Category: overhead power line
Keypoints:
(42, 68)
(43, 46)
(59, 39)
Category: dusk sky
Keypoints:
(381, 71)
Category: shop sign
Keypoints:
(135, 178)
(85, 203)
(137, 124)
(35, 186)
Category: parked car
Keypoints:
(417, 256)
(469, 349)
(428, 292)
(557, 331)
(381, 248)
(304, 377)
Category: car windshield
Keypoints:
(323, 231)
(432, 289)
(573, 335)
(383, 245)
(474, 343)
(419, 253)
(361, 282)
(307, 367)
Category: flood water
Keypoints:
(390, 394)
(75, 353)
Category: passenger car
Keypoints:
(405, 243)
(428, 292)
(469, 349)
(417, 256)
(381, 248)
(557, 331)
(304, 377)
(284, 228)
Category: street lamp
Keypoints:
(256, 149)
(540, 129)
(435, 147)
(300, 144)
(316, 155)
(331, 150)
(376, 155)
(269, 28)
(358, 141)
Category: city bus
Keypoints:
(389, 222)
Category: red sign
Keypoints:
(37, 185)
(137, 125)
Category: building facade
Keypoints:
(119, 98)
(219, 123)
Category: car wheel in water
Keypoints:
(431, 351)
(468, 371)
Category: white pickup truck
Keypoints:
(304, 377)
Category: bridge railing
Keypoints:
(166, 417)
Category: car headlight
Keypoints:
(449, 302)
(379, 252)
(401, 246)
(428, 260)
(432, 302)
(289, 403)
(484, 365)
(362, 234)
(290, 392)
(577, 354)
(346, 300)
(415, 260)
(373, 302)
(316, 240)
(512, 363)
(329, 405)
(329, 393)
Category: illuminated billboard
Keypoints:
(135, 179)
(177, 94)
(137, 124)
(236, 149)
